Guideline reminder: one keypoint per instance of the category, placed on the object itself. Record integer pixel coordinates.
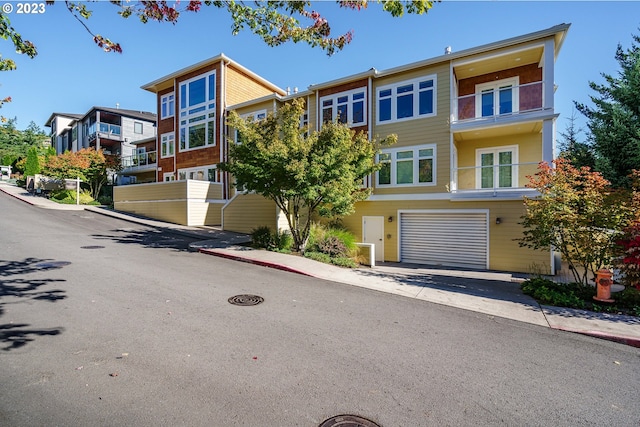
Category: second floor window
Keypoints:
(346, 107)
(167, 106)
(137, 127)
(407, 100)
(407, 166)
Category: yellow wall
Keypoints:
(246, 212)
(240, 87)
(504, 252)
(429, 130)
(529, 151)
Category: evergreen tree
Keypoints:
(32, 166)
(578, 153)
(614, 118)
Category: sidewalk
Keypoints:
(492, 293)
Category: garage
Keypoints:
(458, 238)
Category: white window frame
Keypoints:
(192, 173)
(167, 105)
(392, 152)
(513, 82)
(496, 167)
(137, 125)
(255, 115)
(350, 101)
(168, 176)
(203, 113)
(170, 139)
(416, 99)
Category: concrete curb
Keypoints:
(630, 341)
(262, 263)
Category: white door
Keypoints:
(373, 232)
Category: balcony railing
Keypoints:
(493, 179)
(140, 160)
(502, 101)
(105, 130)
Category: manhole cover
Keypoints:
(348, 421)
(245, 300)
(92, 247)
(51, 264)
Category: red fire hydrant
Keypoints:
(603, 285)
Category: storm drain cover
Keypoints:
(348, 421)
(245, 300)
(92, 247)
(52, 264)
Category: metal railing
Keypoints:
(493, 178)
(498, 102)
(140, 159)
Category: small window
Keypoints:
(137, 127)
(167, 106)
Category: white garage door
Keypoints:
(454, 239)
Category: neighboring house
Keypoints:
(471, 126)
(116, 131)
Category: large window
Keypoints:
(167, 106)
(497, 167)
(167, 144)
(197, 112)
(346, 107)
(201, 173)
(407, 100)
(407, 166)
(496, 98)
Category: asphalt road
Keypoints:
(109, 323)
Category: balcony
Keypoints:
(500, 104)
(493, 181)
(140, 162)
(104, 130)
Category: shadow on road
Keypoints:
(15, 288)
(147, 239)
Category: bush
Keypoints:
(344, 262)
(318, 256)
(261, 237)
(68, 197)
(334, 241)
(282, 241)
(545, 291)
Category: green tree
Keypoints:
(571, 148)
(578, 214)
(32, 165)
(91, 166)
(302, 172)
(614, 118)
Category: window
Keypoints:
(167, 106)
(201, 173)
(255, 116)
(167, 144)
(137, 127)
(168, 176)
(407, 100)
(497, 98)
(197, 112)
(407, 166)
(345, 107)
(497, 167)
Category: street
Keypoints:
(105, 322)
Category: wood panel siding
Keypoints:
(240, 87)
(344, 87)
(246, 212)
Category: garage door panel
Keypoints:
(458, 239)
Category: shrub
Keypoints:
(68, 197)
(334, 241)
(629, 259)
(282, 240)
(344, 262)
(318, 256)
(261, 237)
(545, 291)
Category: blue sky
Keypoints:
(71, 74)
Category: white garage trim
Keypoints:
(454, 237)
